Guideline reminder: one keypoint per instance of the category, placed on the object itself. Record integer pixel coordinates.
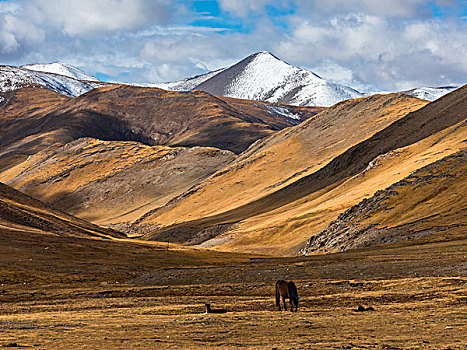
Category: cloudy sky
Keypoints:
(367, 44)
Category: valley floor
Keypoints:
(418, 292)
(415, 313)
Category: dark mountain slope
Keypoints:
(147, 115)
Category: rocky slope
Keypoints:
(431, 200)
(264, 77)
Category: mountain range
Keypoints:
(224, 173)
(264, 77)
(260, 76)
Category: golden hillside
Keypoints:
(282, 220)
(105, 155)
(431, 200)
(112, 182)
(24, 214)
(272, 163)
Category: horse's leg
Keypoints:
(278, 299)
(285, 305)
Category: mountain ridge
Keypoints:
(427, 121)
(60, 68)
(13, 78)
(264, 77)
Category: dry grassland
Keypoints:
(120, 295)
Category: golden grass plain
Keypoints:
(91, 293)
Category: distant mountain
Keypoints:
(430, 93)
(60, 68)
(34, 118)
(264, 77)
(12, 78)
(121, 151)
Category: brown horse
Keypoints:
(286, 290)
(209, 310)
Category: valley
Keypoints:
(120, 294)
(124, 209)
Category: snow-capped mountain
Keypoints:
(12, 78)
(430, 93)
(264, 77)
(60, 68)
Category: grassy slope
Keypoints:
(111, 182)
(288, 226)
(275, 162)
(427, 124)
(20, 212)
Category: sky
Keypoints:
(371, 45)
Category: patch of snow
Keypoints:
(267, 78)
(12, 78)
(62, 69)
(284, 111)
(430, 93)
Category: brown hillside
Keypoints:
(275, 162)
(427, 128)
(19, 112)
(22, 213)
(128, 113)
(279, 229)
(112, 182)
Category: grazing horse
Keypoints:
(215, 310)
(286, 290)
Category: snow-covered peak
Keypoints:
(264, 77)
(60, 68)
(430, 93)
(12, 78)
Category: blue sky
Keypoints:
(367, 44)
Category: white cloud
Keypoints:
(244, 7)
(15, 31)
(379, 51)
(77, 17)
(387, 44)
